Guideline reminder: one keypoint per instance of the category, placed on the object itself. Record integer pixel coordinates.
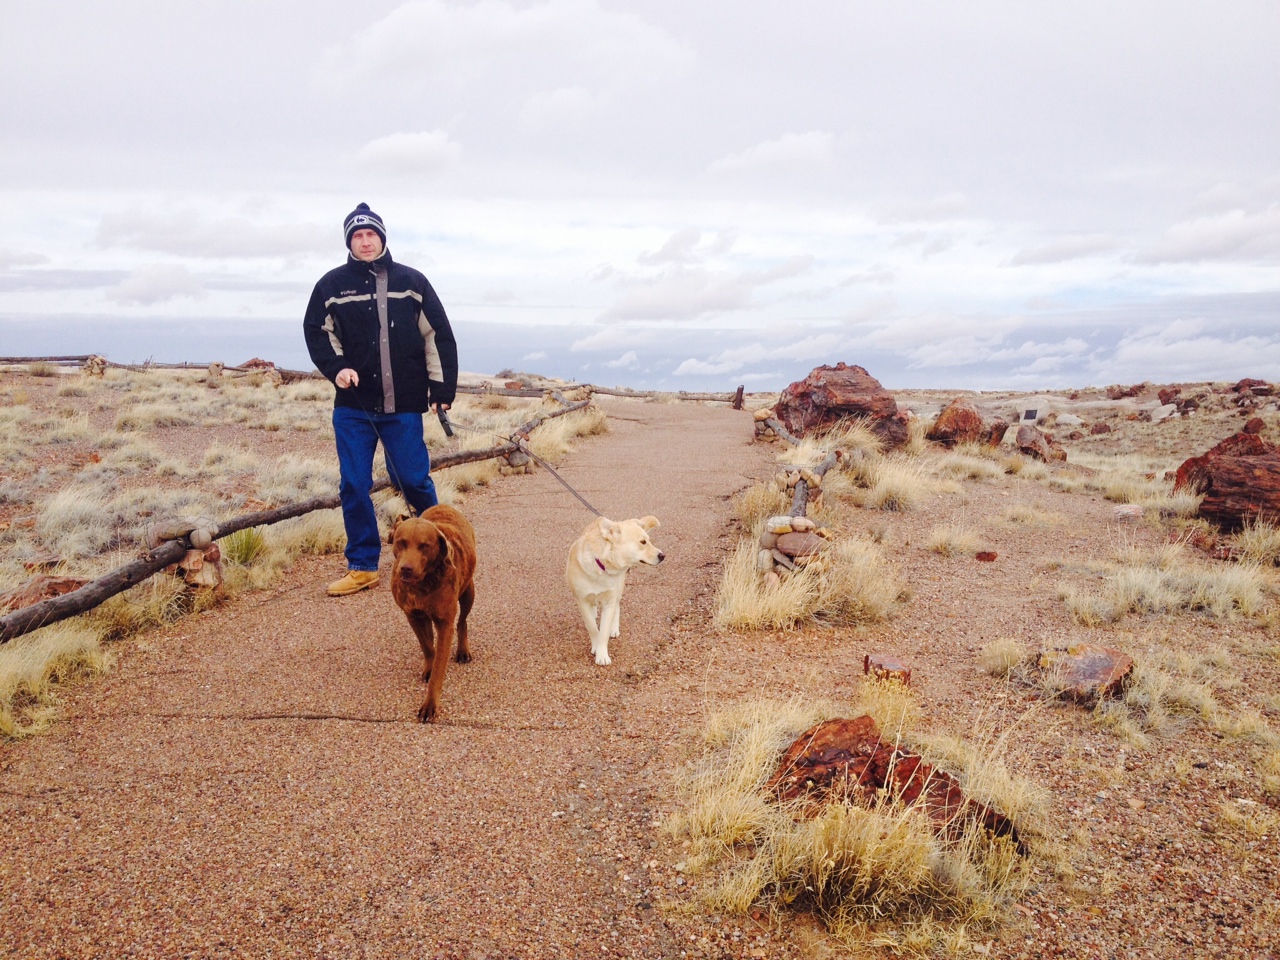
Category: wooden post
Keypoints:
(737, 397)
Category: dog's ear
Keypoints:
(400, 518)
(609, 529)
(444, 547)
(649, 523)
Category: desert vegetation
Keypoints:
(90, 463)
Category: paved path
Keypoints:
(250, 782)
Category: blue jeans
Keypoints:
(408, 464)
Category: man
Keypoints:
(377, 330)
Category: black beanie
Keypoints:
(362, 218)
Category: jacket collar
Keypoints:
(382, 262)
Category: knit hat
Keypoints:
(362, 218)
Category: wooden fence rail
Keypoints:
(52, 610)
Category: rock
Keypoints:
(40, 587)
(1126, 512)
(1242, 490)
(764, 413)
(802, 524)
(801, 544)
(782, 558)
(829, 394)
(1168, 394)
(42, 563)
(1119, 393)
(985, 556)
(1088, 672)
(768, 540)
(1254, 426)
(1259, 388)
(1164, 412)
(1100, 428)
(846, 759)
(1039, 445)
(1075, 435)
(1187, 405)
(257, 364)
(1195, 472)
(1069, 420)
(771, 579)
(778, 525)
(886, 668)
(764, 560)
(959, 422)
(996, 431)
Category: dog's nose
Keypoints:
(661, 556)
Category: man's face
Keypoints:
(366, 245)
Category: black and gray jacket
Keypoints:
(404, 368)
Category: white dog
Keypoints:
(597, 572)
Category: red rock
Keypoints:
(1119, 393)
(1075, 435)
(1168, 394)
(41, 587)
(800, 544)
(1194, 473)
(1100, 428)
(1088, 672)
(996, 431)
(985, 556)
(1039, 445)
(1254, 426)
(1259, 388)
(1242, 490)
(829, 394)
(847, 760)
(886, 668)
(959, 422)
(257, 364)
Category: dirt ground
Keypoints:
(251, 782)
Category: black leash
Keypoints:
(527, 452)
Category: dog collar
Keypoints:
(601, 565)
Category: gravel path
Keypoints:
(252, 783)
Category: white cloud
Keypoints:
(190, 234)
(1180, 351)
(12, 258)
(564, 106)
(154, 283)
(789, 152)
(628, 360)
(681, 292)
(570, 43)
(410, 154)
(1235, 235)
(536, 355)
(813, 347)
(612, 337)
(1065, 248)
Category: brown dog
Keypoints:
(432, 581)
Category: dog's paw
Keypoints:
(463, 656)
(426, 675)
(426, 712)
(602, 658)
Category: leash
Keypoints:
(529, 453)
(447, 426)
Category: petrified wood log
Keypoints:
(846, 760)
(959, 422)
(1241, 490)
(829, 394)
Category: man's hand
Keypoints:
(347, 378)
(437, 407)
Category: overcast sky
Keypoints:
(675, 194)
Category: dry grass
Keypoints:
(1259, 543)
(1002, 657)
(858, 585)
(874, 874)
(1166, 581)
(954, 539)
(32, 666)
(894, 484)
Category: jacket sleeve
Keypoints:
(324, 340)
(441, 348)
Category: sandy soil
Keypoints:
(251, 782)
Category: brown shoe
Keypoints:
(353, 582)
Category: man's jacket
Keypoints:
(416, 366)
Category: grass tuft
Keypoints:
(32, 666)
